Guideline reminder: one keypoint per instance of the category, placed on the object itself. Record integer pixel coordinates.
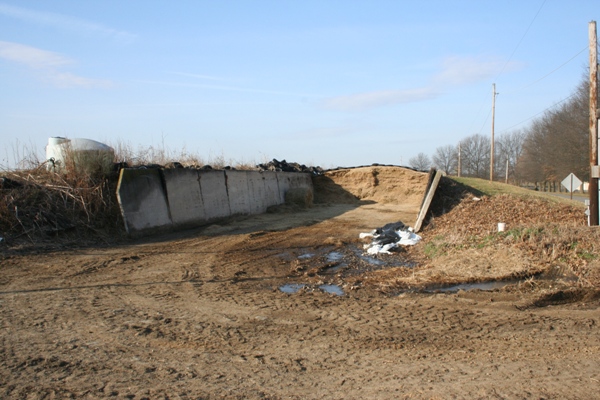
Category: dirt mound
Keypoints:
(481, 215)
(381, 184)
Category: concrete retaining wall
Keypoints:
(154, 200)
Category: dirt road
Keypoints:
(200, 314)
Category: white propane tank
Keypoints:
(82, 155)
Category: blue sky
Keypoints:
(329, 83)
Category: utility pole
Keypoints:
(594, 169)
(493, 116)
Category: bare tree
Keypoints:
(421, 162)
(446, 158)
(509, 148)
(557, 143)
(475, 156)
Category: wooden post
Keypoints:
(493, 115)
(427, 201)
(459, 162)
(593, 188)
(571, 186)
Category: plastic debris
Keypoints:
(388, 237)
(289, 167)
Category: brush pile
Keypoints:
(39, 205)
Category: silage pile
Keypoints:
(381, 184)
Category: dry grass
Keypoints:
(163, 155)
(46, 204)
(489, 188)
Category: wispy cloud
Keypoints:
(31, 56)
(455, 71)
(48, 65)
(370, 100)
(65, 22)
(226, 88)
(465, 70)
(200, 76)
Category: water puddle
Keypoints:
(306, 256)
(372, 260)
(334, 256)
(485, 286)
(291, 288)
(332, 289)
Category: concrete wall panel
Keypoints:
(143, 200)
(272, 194)
(239, 194)
(288, 180)
(184, 196)
(214, 194)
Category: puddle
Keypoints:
(306, 256)
(385, 261)
(334, 256)
(332, 289)
(372, 260)
(291, 288)
(491, 285)
(335, 269)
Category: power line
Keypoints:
(541, 112)
(485, 121)
(549, 73)
(521, 40)
(508, 60)
(536, 81)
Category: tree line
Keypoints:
(550, 148)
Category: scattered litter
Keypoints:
(476, 199)
(389, 237)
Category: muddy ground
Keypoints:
(202, 314)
